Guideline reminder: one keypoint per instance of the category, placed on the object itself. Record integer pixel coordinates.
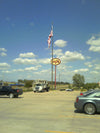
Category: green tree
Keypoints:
(78, 80)
(28, 83)
(91, 86)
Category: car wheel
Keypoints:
(11, 95)
(90, 109)
(16, 96)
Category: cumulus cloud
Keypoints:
(23, 70)
(3, 49)
(58, 52)
(6, 71)
(60, 43)
(72, 56)
(46, 72)
(97, 66)
(4, 66)
(89, 64)
(31, 68)
(94, 48)
(44, 61)
(94, 43)
(94, 72)
(24, 61)
(27, 55)
(81, 70)
(17, 70)
(3, 52)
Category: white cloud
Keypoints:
(94, 72)
(81, 70)
(94, 41)
(3, 49)
(94, 48)
(3, 54)
(27, 55)
(94, 44)
(42, 74)
(60, 43)
(23, 70)
(4, 66)
(45, 72)
(72, 56)
(44, 61)
(17, 70)
(31, 68)
(88, 57)
(24, 61)
(24, 58)
(97, 67)
(89, 64)
(58, 52)
(6, 71)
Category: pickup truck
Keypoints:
(9, 91)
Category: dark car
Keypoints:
(89, 102)
(9, 91)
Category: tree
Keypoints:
(78, 80)
(28, 83)
(91, 86)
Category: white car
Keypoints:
(69, 89)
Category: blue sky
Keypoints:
(24, 29)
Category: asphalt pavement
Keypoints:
(48, 112)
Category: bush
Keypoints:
(76, 88)
(28, 83)
(83, 90)
(89, 86)
(27, 89)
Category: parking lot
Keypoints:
(48, 112)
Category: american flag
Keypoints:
(49, 38)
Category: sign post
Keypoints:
(55, 61)
(55, 77)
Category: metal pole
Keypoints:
(55, 77)
(52, 60)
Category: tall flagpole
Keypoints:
(52, 60)
(50, 41)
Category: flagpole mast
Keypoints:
(50, 41)
(52, 60)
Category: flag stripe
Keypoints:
(49, 38)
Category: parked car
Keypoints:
(84, 93)
(7, 90)
(88, 102)
(69, 89)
